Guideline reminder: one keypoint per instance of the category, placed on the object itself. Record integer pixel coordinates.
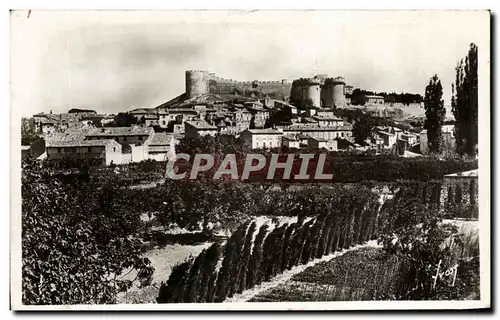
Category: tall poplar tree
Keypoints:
(434, 113)
(465, 103)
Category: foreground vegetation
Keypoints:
(364, 275)
(81, 225)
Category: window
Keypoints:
(59, 150)
(114, 149)
(89, 149)
(124, 138)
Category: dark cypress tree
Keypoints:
(254, 265)
(434, 114)
(311, 242)
(244, 262)
(211, 287)
(331, 235)
(231, 253)
(208, 270)
(267, 249)
(236, 264)
(303, 243)
(173, 291)
(285, 256)
(274, 262)
(193, 279)
(465, 103)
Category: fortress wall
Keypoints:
(220, 85)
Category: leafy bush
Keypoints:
(77, 239)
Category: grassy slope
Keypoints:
(365, 274)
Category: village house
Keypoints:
(261, 138)
(388, 138)
(134, 135)
(320, 143)
(151, 120)
(141, 112)
(159, 145)
(290, 142)
(328, 121)
(278, 104)
(108, 151)
(325, 113)
(196, 128)
(373, 99)
(328, 133)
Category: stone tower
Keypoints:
(333, 92)
(307, 90)
(197, 83)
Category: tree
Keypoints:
(465, 103)
(124, 119)
(358, 97)
(28, 132)
(362, 130)
(414, 232)
(77, 240)
(434, 113)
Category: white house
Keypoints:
(261, 138)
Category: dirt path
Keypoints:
(288, 274)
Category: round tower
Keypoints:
(334, 92)
(196, 83)
(307, 91)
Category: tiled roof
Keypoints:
(318, 139)
(315, 128)
(142, 111)
(264, 131)
(290, 138)
(120, 131)
(160, 139)
(80, 143)
(319, 118)
(201, 124)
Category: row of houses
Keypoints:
(111, 145)
(48, 123)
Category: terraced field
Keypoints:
(364, 274)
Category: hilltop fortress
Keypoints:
(319, 91)
(199, 82)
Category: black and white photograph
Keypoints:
(250, 159)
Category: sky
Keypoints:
(113, 61)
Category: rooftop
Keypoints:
(81, 143)
(319, 118)
(121, 131)
(290, 138)
(316, 128)
(160, 139)
(264, 131)
(318, 139)
(201, 124)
